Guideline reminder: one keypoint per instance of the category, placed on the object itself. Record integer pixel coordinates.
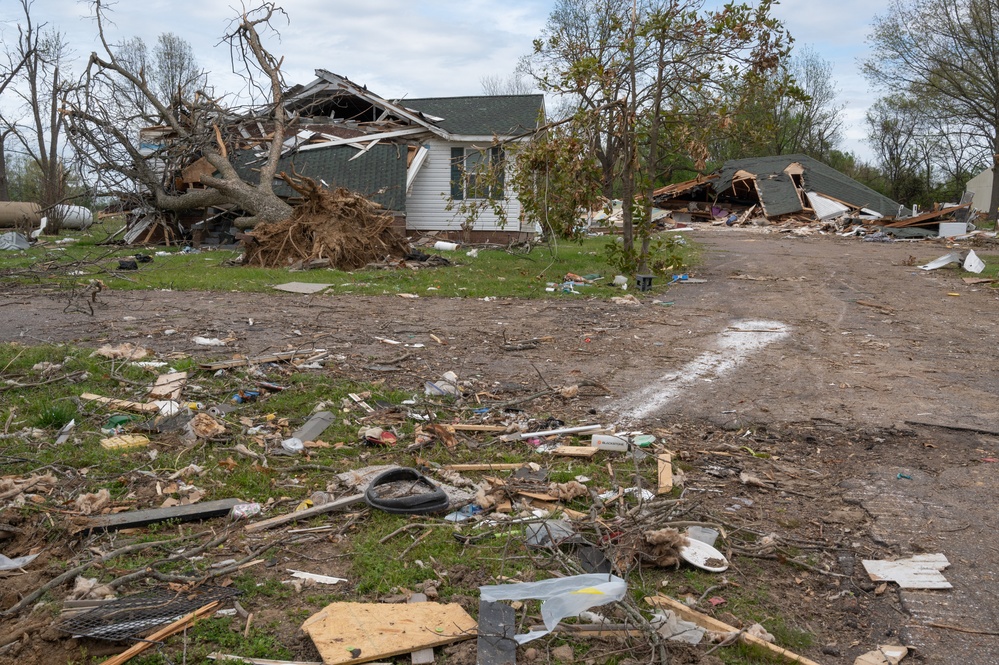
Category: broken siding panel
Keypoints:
(425, 206)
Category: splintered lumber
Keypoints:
(927, 217)
(714, 625)
(123, 404)
(168, 386)
(363, 632)
(136, 518)
(162, 634)
(305, 514)
(484, 467)
(269, 358)
(664, 462)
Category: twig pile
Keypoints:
(335, 225)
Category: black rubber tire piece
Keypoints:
(434, 501)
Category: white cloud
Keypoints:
(422, 49)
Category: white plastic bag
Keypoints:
(561, 597)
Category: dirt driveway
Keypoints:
(834, 336)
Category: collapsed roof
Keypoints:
(783, 185)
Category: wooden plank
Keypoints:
(596, 630)
(497, 627)
(162, 634)
(168, 386)
(539, 496)
(123, 404)
(576, 451)
(664, 462)
(304, 514)
(136, 518)
(363, 632)
(480, 428)
(422, 656)
(256, 360)
(484, 467)
(714, 625)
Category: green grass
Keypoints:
(374, 569)
(493, 273)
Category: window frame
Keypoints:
(464, 174)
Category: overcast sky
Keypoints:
(422, 49)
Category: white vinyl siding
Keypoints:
(426, 201)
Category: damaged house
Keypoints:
(408, 156)
(792, 184)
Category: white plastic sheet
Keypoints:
(14, 564)
(561, 597)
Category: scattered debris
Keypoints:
(321, 579)
(125, 442)
(19, 562)
(886, 654)
(921, 571)
(713, 625)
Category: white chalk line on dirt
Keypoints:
(733, 347)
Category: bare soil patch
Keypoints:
(874, 347)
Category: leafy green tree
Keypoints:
(943, 53)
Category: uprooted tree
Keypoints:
(117, 96)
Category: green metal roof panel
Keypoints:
(378, 175)
(817, 177)
(503, 115)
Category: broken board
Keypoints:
(576, 451)
(124, 404)
(168, 386)
(664, 462)
(136, 518)
(921, 571)
(363, 632)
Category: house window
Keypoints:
(477, 174)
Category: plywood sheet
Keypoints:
(362, 632)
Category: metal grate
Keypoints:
(129, 617)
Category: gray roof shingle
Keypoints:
(503, 115)
(378, 175)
